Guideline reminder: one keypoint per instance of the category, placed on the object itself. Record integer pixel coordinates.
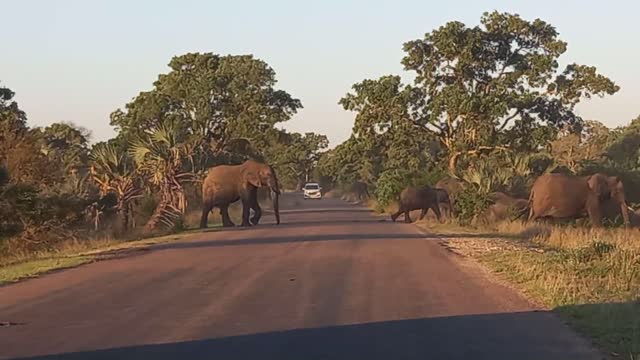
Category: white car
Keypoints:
(312, 191)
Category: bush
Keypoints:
(31, 220)
(389, 185)
(148, 204)
(470, 203)
(430, 178)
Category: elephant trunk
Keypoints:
(276, 206)
(275, 189)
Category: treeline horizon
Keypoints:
(489, 104)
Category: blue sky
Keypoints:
(80, 60)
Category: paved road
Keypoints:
(331, 282)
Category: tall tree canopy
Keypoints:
(20, 153)
(67, 144)
(11, 117)
(492, 86)
(296, 155)
(214, 99)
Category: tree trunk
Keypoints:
(124, 210)
(453, 161)
(172, 205)
(153, 221)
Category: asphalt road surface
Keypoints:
(331, 282)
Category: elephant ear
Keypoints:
(615, 184)
(614, 181)
(598, 184)
(253, 178)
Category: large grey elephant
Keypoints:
(417, 198)
(567, 196)
(226, 184)
(505, 207)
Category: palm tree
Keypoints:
(112, 170)
(486, 175)
(162, 156)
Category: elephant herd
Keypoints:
(553, 195)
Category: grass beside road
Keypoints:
(590, 277)
(72, 254)
(32, 268)
(78, 252)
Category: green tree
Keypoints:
(394, 152)
(20, 152)
(162, 155)
(114, 173)
(12, 119)
(297, 155)
(212, 99)
(496, 86)
(65, 144)
(624, 149)
(347, 163)
(576, 150)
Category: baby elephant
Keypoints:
(414, 198)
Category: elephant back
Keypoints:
(417, 196)
(221, 180)
(452, 186)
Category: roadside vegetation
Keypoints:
(590, 277)
(61, 195)
(489, 106)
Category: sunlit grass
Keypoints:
(16, 272)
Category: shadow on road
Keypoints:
(322, 210)
(320, 237)
(510, 336)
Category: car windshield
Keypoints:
(312, 187)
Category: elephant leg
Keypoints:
(245, 214)
(436, 210)
(224, 213)
(395, 215)
(594, 212)
(206, 209)
(249, 198)
(423, 213)
(257, 213)
(407, 217)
